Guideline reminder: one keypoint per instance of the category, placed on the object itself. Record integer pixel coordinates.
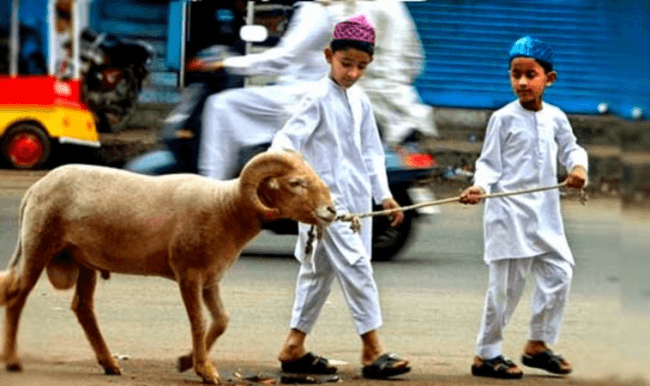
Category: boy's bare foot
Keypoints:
(294, 346)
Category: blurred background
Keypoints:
(601, 50)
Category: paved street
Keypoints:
(431, 295)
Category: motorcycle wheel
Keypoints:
(26, 146)
(388, 242)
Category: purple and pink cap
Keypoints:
(357, 28)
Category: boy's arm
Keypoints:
(375, 160)
(298, 128)
(571, 155)
(374, 157)
(488, 167)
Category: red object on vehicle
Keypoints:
(196, 65)
(40, 91)
(419, 160)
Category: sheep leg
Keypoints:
(83, 307)
(15, 305)
(190, 286)
(12, 316)
(212, 300)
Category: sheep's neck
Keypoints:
(243, 218)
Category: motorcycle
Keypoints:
(113, 70)
(409, 170)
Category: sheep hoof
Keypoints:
(185, 363)
(14, 368)
(112, 370)
(208, 373)
(109, 371)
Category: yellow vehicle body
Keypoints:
(66, 124)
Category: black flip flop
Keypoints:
(384, 368)
(309, 364)
(496, 367)
(546, 360)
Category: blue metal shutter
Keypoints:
(467, 44)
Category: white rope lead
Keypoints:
(355, 218)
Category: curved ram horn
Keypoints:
(267, 164)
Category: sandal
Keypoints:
(547, 360)
(497, 367)
(309, 364)
(384, 367)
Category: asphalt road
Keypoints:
(431, 297)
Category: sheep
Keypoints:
(80, 219)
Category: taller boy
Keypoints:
(335, 129)
(523, 143)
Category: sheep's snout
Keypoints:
(326, 213)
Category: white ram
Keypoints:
(80, 219)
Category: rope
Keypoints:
(355, 218)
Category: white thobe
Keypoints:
(521, 151)
(525, 233)
(335, 130)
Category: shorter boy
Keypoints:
(336, 132)
(524, 141)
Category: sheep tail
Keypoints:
(8, 279)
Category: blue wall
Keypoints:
(467, 43)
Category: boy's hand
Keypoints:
(472, 195)
(577, 177)
(397, 217)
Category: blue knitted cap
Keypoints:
(533, 48)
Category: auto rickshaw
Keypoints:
(38, 113)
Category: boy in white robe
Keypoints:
(336, 132)
(524, 141)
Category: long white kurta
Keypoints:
(521, 151)
(336, 132)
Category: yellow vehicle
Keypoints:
(37, 112)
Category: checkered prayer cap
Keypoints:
(532, 48)
(357, 28)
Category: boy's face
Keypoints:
(529, 80)
(348, 65)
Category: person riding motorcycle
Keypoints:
(241, 118)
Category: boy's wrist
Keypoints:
(579, 167)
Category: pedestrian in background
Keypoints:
(335, 130)
(523, 233)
